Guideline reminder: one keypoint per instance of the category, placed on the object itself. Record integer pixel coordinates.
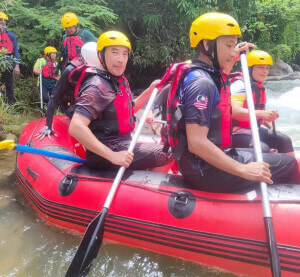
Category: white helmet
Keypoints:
(89, 53)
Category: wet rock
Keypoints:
(292, 76)
(11, 136)
(280, 68)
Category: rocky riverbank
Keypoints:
(282, 71)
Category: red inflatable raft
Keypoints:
(159, 211)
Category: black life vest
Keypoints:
(49, 68)
(73, 44)
(118, 117)
(6, 43)
(220, 126)
(259, 99)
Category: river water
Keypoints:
(29, 247)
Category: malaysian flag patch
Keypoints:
(201, 102)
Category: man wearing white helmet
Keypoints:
(63, 93)
(104, 114)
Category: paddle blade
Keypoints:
(7, 144)
(89, 247)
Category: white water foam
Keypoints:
(289, 100)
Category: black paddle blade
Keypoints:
(89, 247)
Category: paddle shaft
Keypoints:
(41, 83)
(92, 239)
(36, 151)
(275, 263)
(130, 149)
(273, 126)
(164, 122)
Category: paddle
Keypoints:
(164, 122)
(10, 144)
(273, 127)
(41, 85)
(92, 239)
(275, 263)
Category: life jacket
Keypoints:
(6, 43)
(73, 44)
(118, 117)
(49, 68)
(259, 99)
(220, 125)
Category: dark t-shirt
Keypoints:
(96, 94)
(199, 95)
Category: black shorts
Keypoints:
(268, 138)
(146, 156)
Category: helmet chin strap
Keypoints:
(102, 59)
(212, 48)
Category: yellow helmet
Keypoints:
(69, 19)
(112, 38)
(50, 49)
(212, 25)
(258, 57)
(3, 15)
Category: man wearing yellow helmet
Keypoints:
(46, 66)
(203, 96)
(9, 45)
(104, 114)
(74, 38)
(259, 63)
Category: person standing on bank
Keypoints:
(258, 62)
(46, 66)
(104, 114)
(9, 44)
(73, 39)
(206, 161)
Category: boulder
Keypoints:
(292, 76)
(280, 68)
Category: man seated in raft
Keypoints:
(206, 161)
(259, 63)
(104, 114)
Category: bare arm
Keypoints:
(242, 114)
(79, 129)
(37, 71)
(140, 101)
(200, 145)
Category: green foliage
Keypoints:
(13, 118)
(37, 23)
(4, 63)
(273, 23)
(158, 30)
(281, 51)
